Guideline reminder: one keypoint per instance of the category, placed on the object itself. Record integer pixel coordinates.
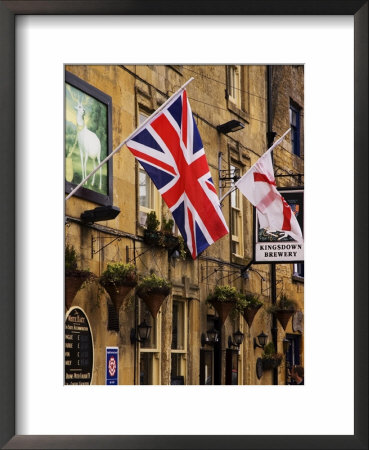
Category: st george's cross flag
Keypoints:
(170, 149)
(259, 187)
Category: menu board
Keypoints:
(78, 348)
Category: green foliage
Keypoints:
(252, 300)
(241, 303)
(223, 294)
(270, 353)
(286, 303)
(182, 248)
(71, 268)
(283, 304)
(167, 226)
(247, 301)
(119, 273)
(269, 349)
(152, 223)
(70, 258)
(153, 281)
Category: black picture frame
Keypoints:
(8, 10)
(102, 97)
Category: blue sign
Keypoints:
(112, 365)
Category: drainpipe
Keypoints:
(274, 322)
(270, 134)
(270, 138)
(220, 154)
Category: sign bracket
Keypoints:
(93, 239)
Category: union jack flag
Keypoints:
(169, 148)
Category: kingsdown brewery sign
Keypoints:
(78, 348)
(277, 246)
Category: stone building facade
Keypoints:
(264, 99)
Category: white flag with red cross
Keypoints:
(259, 187)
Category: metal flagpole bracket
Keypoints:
(228, 177)
(299, 176)
(269, 150)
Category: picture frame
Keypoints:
(8, 439)
(88, 99)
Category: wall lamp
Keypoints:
(211, 337)
(230, 127)
(100, 213)
(238, 339)
(142, 333)
(262, 338)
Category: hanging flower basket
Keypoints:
(222, 308)
(118, 279)
(223, 299)
(73, 283)
(118, 292)
(283, 310)
(153, 238)
(249, 313)
(160, 239)
(171, 242)
(271, 363)
(153, 290)
(271, 359)
(74, 277)
(284, 316)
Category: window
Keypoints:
(293, 353)
(234, 85)
(113, 320)
(295, 128)
(236, 218)
(148, 195)
(146, 190)
(179, 347)
(298, 270)
(149, 350)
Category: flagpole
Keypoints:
(132, 135)
(268, 151)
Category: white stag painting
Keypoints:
(85, 139)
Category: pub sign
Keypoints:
(277, 246)
(78, 348)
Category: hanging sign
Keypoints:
(278, 246)
(78, 348)
(112, 356)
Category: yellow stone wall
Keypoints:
(120, 239)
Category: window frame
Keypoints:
(298, 271)
(183, 351)
(155, 351)
(143, 210)
(238, 239)
(295, 111)
(234, 84)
